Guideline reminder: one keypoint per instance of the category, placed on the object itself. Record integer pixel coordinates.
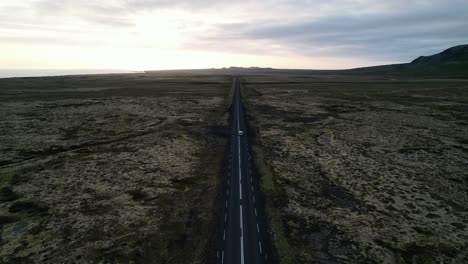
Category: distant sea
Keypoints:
(7, 73)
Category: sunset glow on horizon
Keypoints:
(152, 35)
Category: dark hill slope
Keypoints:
(454, 55)
(452, 62)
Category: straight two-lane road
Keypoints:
(242, 228)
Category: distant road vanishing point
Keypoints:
(243, 228)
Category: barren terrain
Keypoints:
(110, 168)
(363, 170)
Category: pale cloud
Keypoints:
(130, 34)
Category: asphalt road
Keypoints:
(242, 228)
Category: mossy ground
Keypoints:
(363, 170)
(110, 168)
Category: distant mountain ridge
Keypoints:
(457, 54)
(450, 63)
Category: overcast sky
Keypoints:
(165, 34)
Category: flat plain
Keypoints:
(361, 169)
(110, 168)
(126, 168)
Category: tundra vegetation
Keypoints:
(362, 169)
(364, 165)
(110, 168)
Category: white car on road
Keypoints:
(240, 133)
